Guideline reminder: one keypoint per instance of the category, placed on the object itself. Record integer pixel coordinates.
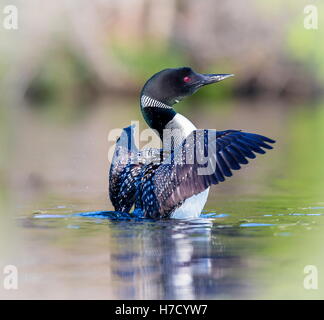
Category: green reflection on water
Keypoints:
(272, 229)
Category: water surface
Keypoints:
(258, 232)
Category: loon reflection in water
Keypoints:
(164, 183)
(182, 259)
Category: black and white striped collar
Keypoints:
(150, 102)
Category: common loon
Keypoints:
(173, 182)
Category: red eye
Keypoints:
(187, 79)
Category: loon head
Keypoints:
(168, 87)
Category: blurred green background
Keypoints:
(73, 71)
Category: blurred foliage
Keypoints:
(149, 57)
(63, 85)
(114, 43)
(307, 45)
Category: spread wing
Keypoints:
(126, 168)
(206, 157)
(123, 172)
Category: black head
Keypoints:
(171, 85)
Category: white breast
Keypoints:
(182, 123)
(177, 129)
(192, 207)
